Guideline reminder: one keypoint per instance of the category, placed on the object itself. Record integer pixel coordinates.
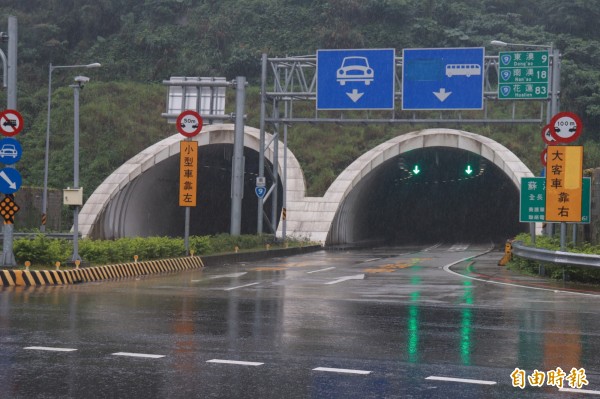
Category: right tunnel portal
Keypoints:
(431, 195)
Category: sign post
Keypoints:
(189, 124)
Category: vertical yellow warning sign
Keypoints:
(188, 172)
(564, 173)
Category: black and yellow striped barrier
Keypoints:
(10, 278)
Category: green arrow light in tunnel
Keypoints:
(468, 170)
(416, 170)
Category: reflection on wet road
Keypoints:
(385, 323)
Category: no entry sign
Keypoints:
(189, 123)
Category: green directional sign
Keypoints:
(533, 200)
(523, 75)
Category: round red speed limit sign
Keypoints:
(565, 127)
(544, 156)
(11, 122)
(547, 135)
(189, 123)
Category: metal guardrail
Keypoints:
(559, 257)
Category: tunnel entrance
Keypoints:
(148, 205)
(434, 194)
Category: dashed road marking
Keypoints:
(236, 362)
(142, 355)
(321, 270)
(465, 380)
(47, 348)
(343, 371)
(586, 391)
(239, 286)
(346, 278)
(370, 260)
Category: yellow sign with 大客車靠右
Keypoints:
(188, 172)
(564, 172)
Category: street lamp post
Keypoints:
(46, 154)
(80, 81)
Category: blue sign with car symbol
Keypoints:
(356, 79)
(10, 151)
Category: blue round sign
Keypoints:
(10, 151)
(10, 180)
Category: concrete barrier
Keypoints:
(15, 278)
(10, 278)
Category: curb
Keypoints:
(11, 278)
(218, 260)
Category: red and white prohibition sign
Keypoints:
(11, 122)
(189, 123)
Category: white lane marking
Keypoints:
(448, 266)
(587, 391)
(370, 260)
(458, 248)
(143, 355)
(432, 247)
(321, 270)
(47, 348)
(345, 371)
(239, 286)
(236, 362)
(468, 381)
(232, 275)
(340, 280)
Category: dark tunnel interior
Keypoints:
(214, 182)
(212, 213)
(438, 194)
(428, 195)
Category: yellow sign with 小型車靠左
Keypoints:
(188, 171)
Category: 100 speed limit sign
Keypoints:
(189, 123)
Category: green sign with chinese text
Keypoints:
(523, 75)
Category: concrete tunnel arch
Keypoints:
(140, 197)
(349, 188)
(116, 209)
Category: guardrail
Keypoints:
(559, 257)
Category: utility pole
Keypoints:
(8, 257)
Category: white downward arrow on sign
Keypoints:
(11, 184)
(355, 95)
(442, 95)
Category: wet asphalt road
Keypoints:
(388, 323)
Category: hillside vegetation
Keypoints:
(142, 42)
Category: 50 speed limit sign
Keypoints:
(189, 123)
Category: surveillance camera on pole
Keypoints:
(81, 80)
